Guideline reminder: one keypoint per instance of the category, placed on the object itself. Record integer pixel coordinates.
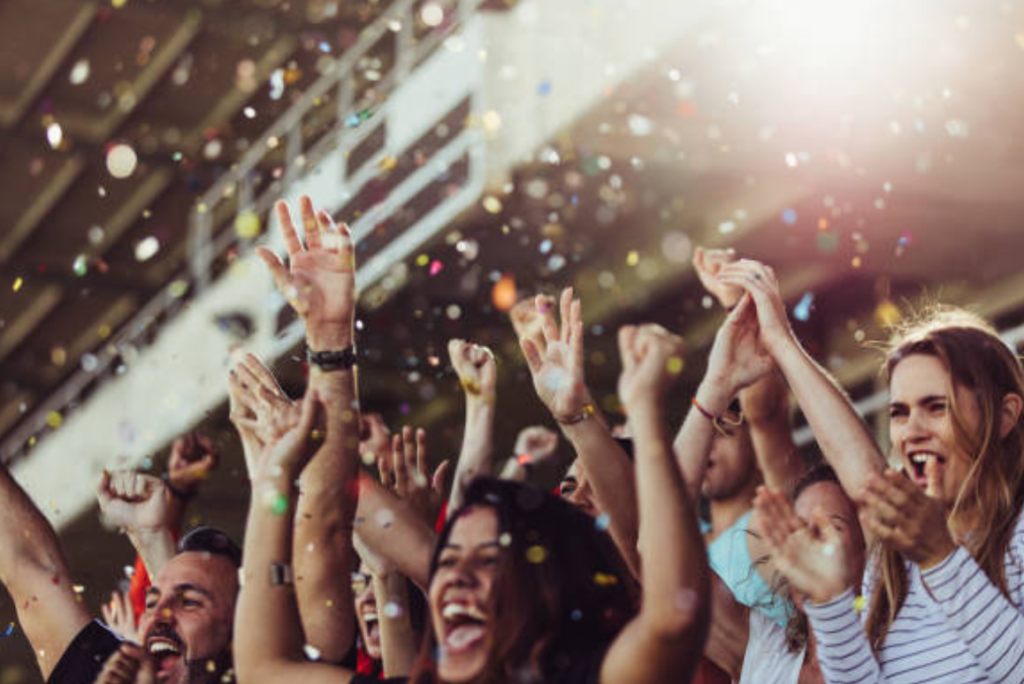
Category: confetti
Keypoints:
(18, 282)
(536, 554)
(435, 267)
(79, 72)
(247, 225)
(54, 135)
(602, 522)
(802, 310)
(121, 161)
(432, 14)
(146, 248)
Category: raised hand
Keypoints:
(708, 263)
(193, 458)
(134, 501)
(260, 410)
(476, 368)
(760, 282)
(528, 322)
(129, 664)
(374, 438)
(652, 358)
(120, 616)
(537, 443)
(908, 519)
(557, 370)
(298, 439)
(738, 357)
(405, 470)
(810, 557)
(319, 281)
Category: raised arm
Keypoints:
(558, 378)
(268, 643)
(143, 507)
(843, 437)
(765, 403)
(737, 360)
(320, 285)
(535, 446)
(668, 634)
(33, 569)
(478, 376)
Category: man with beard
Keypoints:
(187, 624)
(186, 629)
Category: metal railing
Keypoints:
(207, 243)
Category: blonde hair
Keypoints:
(992, 494)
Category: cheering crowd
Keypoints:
(359, 564)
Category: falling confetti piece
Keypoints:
(802, 310)
(80, 265)
(432, 14)
(18, 282)
(54, 135)
(312, 652)
(789, 216)
(674, 365)
(492, 205)
(503, 295)
(603, 579)
(147, 248)
(80, 72)
(121, 161)
(247, 225)
(602, 522)
(887, 313)
(54, 419)
(536, 554)
(435, 267)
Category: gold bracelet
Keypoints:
(585, 414)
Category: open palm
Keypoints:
(558, 370)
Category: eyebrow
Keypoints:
(923, 400)
(458, 547)
(180, 589)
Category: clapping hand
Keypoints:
(908, 519)
(811, 556)
(708, 264)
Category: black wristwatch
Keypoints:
(342, 359)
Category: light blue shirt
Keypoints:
(729, 557)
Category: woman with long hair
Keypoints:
(523, 587)
(944, 589)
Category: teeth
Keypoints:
(370, 617)
(162, 647)
(462, 610)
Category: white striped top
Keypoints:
(955, 627)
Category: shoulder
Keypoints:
(84, 657)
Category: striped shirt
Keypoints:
(955, 627)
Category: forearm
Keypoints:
(267, 627)
(844, 652)
(693, 442)
(675, 576)
(765, 406)
(397, 637)
(322, 547)
(613, 479)
(477, 446)
(155, 547)
(392, 530)
(841, 434)
(989, 625)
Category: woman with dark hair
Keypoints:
(523, 587)
(945, 583)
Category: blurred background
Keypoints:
(482, 151)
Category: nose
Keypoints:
(913, 431)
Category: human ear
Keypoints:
(1009, 413)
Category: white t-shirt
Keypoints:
(768, 660)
